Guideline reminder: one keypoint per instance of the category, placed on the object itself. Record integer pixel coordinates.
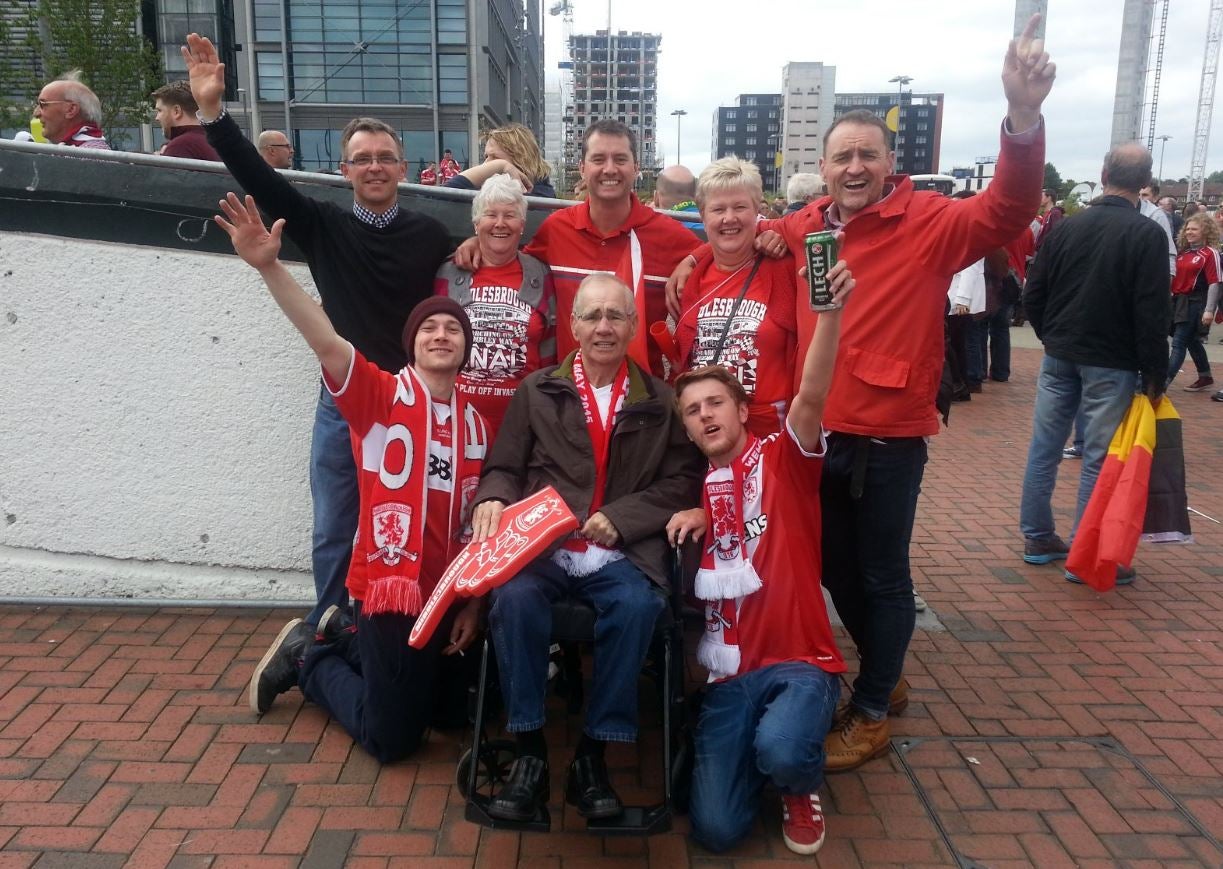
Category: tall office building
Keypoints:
(919, 136)
(807, 93)
(614, 76)
(554, 133)
(427, 67)
(750, 129)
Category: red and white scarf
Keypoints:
(579, 556)
(394, 565)
(726, 574)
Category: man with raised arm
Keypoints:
(905, 246)
(768, 645)
(421, 447)
(371, 264)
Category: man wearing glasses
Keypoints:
(276, 150)
(606, 435)
(71, 114)
(372, 264)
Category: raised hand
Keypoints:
(1027, 77)
(252, 241)
(206, 73)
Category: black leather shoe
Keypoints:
(524, 792)
(589, 789)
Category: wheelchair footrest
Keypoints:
(477, 813)
(634, 821)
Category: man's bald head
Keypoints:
(676, 184)
(1127, 169)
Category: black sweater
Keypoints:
(369, 278)
(1097, 293)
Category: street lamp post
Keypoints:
(900, 81)
(679, 122)
(1163, 144)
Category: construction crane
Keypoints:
(1206, 99)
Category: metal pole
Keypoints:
(252, 70)
(679, 122)
(436, 149)
(284, 70)
(1163, 146)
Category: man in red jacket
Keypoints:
(903, 247)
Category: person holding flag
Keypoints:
(611, 231)
(420, 447)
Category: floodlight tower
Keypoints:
(1132, 60)
(1206, 98)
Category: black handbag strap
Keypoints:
(717, 352)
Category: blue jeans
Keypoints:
(626, 604)
(1101, 395)
(866, 553)
(989, 345)
(764, 726)
(1185, 338)
(333, 489)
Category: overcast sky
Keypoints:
(713, 50)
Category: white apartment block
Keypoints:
(808, 96)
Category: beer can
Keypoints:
(821, 256)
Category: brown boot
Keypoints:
(898, 702)
(855, 740)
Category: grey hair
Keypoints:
(1128, 167)
(76, 91)
(500, 189)
(804, 187)
(727, 174)
(604, 278)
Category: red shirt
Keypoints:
(573, 248)
(1193, 263)
(449, 168)
(1018, 251)
(903, 251)
(429, 177)
(508, 334)
(785, 619)
(759, 347)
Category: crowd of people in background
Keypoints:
(673, 391)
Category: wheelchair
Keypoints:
(485, 766)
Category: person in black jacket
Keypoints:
(371, 264)
(1097, 296)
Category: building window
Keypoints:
(317, 149)
(750, 101)
(922, 126)
(730, 128)
(751, 140)
(772, 114)
(751, 128)
(751, 155)
(271, 67)
(730, 114)
(920, 140)
(752, 113)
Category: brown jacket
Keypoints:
(653, 469)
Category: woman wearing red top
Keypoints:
(755, 295)
(509, 299)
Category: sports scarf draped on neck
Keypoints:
(583, 557)
(394, 566)
(86, 129)
(726, 572)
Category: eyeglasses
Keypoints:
(42, 104)
(275, 145)
(365, 160)
(613, 315)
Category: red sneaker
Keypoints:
(802, 823)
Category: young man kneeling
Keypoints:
(419, 448)
(768, 645)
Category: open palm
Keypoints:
(251, 240)
(206, 73)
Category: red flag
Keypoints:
(1108, 532)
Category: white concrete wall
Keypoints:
(155, 431)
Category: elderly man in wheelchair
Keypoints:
(606, 435)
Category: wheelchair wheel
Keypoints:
(496, 758)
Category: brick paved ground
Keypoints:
(125, 739)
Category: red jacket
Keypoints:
(903, 251)
(573, 248)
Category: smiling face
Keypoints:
(855, 165)
(715, 422)
(1193, 232)
(374, 186)
(609, 168)
(730, 223)
(498, 231)
(439, 345)
(604, 322)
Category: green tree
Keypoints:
(100, 38)
(1215, 177)
(19, 62)
(1053, 178)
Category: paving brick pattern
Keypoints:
(125, 739)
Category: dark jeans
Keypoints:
(989, 343)
(333, 489)
(626, 604)
(764, 726)
(375, 685)
(867, 524)
(1186, 336)
(959, 327)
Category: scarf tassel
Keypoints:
(727, 582)
(718, 658)
(395, 594)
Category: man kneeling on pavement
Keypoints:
(768, 644)
(606, 435)
(420, 447)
